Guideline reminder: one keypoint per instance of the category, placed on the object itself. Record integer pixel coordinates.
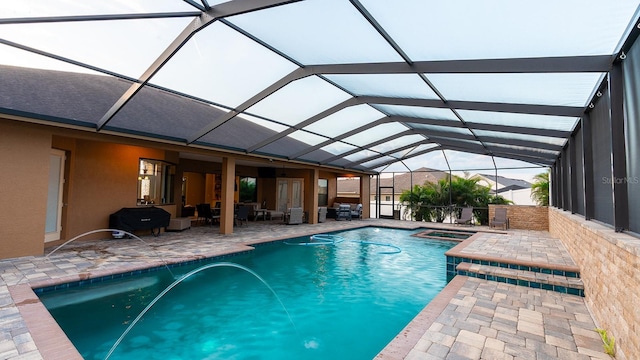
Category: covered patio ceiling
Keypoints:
(364, 85)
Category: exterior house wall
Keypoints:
(608, 264)
(24, 155)
(101, 177)
(519, 197)
(195, 186)
(104, 180)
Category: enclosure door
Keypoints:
(53, 224)
(290, 193)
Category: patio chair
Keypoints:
(322, 214)
(500, 219)
(343, 212)
(357, 212)
(204, 213)
(242, 214)
(215, 213)
(466, 216)
(295, 216)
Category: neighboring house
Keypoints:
(390, 188)
(348, 187)
(516, 190)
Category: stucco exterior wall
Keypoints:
(608, 264)
(101, 177)
(24, 155)
(103, 180)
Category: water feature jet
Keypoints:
(46, 257)
(184, 277)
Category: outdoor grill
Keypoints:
(140, 218)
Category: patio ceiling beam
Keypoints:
(66, 60)
(341, 136)
(384, 120)
(571, 111)
(521, 130)
(365, 13)
(528, 159)
(522, 143)
(372, 100)
(477, 150)
(107, 17)
(374, 23)
(562, 64)
(525, 158)
(408, 120)
(205, 19)
(524, 152)
(444, 141)
(195, 5)
(297, 74)
(367, 146)
(309, 121)
(488, 127)
(437, 148)
(388, 153)
(445, 134)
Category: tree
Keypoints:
(433, 201)
(540, 189)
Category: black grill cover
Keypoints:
(139, 218)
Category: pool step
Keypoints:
(547, 279)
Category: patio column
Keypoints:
(228, 182)
(312, 196)
(365, 196)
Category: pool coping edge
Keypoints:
(408, 338)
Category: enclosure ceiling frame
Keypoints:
(427, 103)
(428, 107)
(205, 19)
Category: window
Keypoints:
(248, 189)
(155, 182)
(387, 198)
(323, 192)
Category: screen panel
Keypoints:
(631, 73)
(578, 172)
(601, 142)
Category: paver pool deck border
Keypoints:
(470, 319)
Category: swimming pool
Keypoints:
(343, 301)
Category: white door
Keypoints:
(53, 225)
(290, 193)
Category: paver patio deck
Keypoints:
(470, 319)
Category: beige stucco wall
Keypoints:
(24, 155)
(104, 180)
(101, 173)
(609, 268)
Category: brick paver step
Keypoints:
(537, 280)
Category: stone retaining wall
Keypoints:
(610, 270)
(525, 217)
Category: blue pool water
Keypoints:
(342, 301)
